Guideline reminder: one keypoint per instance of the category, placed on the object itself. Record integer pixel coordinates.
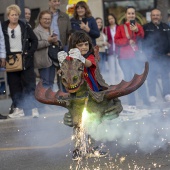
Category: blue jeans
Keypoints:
(159, 66)
(47, 75)
(102, 61)
(129, 68)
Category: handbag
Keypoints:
(14, 63)
(53, 50)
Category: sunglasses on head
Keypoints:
(12, 34)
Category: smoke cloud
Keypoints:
(147, 130)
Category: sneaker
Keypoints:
(3, 117)
(17, 113)
(167, 98)
(76, 155)
(152, 99)
(96, 152)
(12, 108)
(35, 113)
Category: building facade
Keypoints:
(99, 8)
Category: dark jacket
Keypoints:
(94, 31)
(156, 39)
(28, 39)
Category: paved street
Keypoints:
(44, 143)
(137, 140)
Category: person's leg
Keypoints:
(127, 69)
(112, 69)
(102, 62)
(142, 91)
(164, 72)
(29, 83)
(46, 77)
(15, 87)
(152, 77)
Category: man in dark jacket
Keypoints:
(156, 46)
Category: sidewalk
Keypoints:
(5, 104)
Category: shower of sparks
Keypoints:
(117, 161)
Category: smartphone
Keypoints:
(132, 22)
(84, 20)
(54, 35)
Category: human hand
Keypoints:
(3, 62)
(62, 56)
(132, 42)
(134, 28)
(84, 26)
(75, 53)
(52, 39)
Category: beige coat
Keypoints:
(100, 41)
(41, 58)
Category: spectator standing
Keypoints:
(21, 83)
(110, 31)
(156, 45)
(41, 59)
(126, 51)
(103, 46)
(60, 22)
(27, 14)
(2, 60)
(83, 20)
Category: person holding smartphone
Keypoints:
(83, 20)
(126, 40)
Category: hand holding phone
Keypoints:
(84, 20)
(132, 22)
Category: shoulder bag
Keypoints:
(14, 63)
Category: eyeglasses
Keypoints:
(12, 34)
(46, 19)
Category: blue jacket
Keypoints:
(94, 31)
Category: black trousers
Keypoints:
(22, 87)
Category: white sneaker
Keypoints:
(17, 113)
(152, 99)
(167, 97)
(35, 113)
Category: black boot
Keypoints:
(3, 117)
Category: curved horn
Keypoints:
(47, 96)
(125, 88)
